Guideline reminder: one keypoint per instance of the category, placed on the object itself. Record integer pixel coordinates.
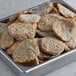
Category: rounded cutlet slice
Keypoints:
(27, 51)
(22, 31)
(46, 22)
(52, 46)
(6, 40)
(29, 18)
(65, 11)
(63, 29)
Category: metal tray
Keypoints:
(46, 67)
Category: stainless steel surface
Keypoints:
(72, 3)
(10, 7)
(45, 67)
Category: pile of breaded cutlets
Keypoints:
(34, 38)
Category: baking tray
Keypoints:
(46, 67)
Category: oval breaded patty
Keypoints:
(22, 31)
(27, 51)
(29, 18)
(46, 21)
(51, 45)
(6, 40)
(63, 29)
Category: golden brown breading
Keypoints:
(29, 18)
(6, 40)
(63, 29)
(27, 51)
(46, 21)
(51, 45)
(22, 31)
(34, 36)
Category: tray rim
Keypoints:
(38, 66)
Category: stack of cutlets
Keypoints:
(32, 38)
